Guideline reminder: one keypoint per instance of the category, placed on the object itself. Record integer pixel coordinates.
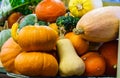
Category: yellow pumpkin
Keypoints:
(35, 38)
(79, 7)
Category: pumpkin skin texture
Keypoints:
(36, 64)
(37, 38)
(8, 53)
(100, 25)
(50, 10)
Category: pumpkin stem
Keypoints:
(6, 25)
(78, 31)
(62, 32)
(115, 66)
(79, 6)
(32, 8)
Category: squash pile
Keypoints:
(59, 39)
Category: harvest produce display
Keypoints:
(64, 38)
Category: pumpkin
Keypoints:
(29, 19)
(95, 64)
(35, 38)
(36, 64)
(99, 25)
(81, 46)
(80, 7)
(109, 50)
(13, 18)
(54, 26)
(17, 61)
(50, 10)
(4, 36)
(8, 53)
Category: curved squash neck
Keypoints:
(14, 31)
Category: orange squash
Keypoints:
(9, 52)
(81, 46)
(36, 64)
(13, 18)
(17, 61)
(95, 64)
(109, 51)
(50, 10)
(35, 38)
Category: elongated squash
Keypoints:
(100, 25)
(70, 63)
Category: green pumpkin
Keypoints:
(30, 19)
(4, 36)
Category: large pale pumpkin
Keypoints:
(36, 64)
(35, 38)
(8, 53)
(100, 25)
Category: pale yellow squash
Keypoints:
(70, 63)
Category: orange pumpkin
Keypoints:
(9, 52)
(13, 18)
(36, 64)
(81, 46)
(17, 61)
(50, 10)
(109, 50)
(95, 64)
(35, 38)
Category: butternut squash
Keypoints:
(70, 63)
(99, 25)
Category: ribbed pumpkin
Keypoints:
(9, 52)
(50, 10)
(35, 38)
(36, 64)
(17, 61)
